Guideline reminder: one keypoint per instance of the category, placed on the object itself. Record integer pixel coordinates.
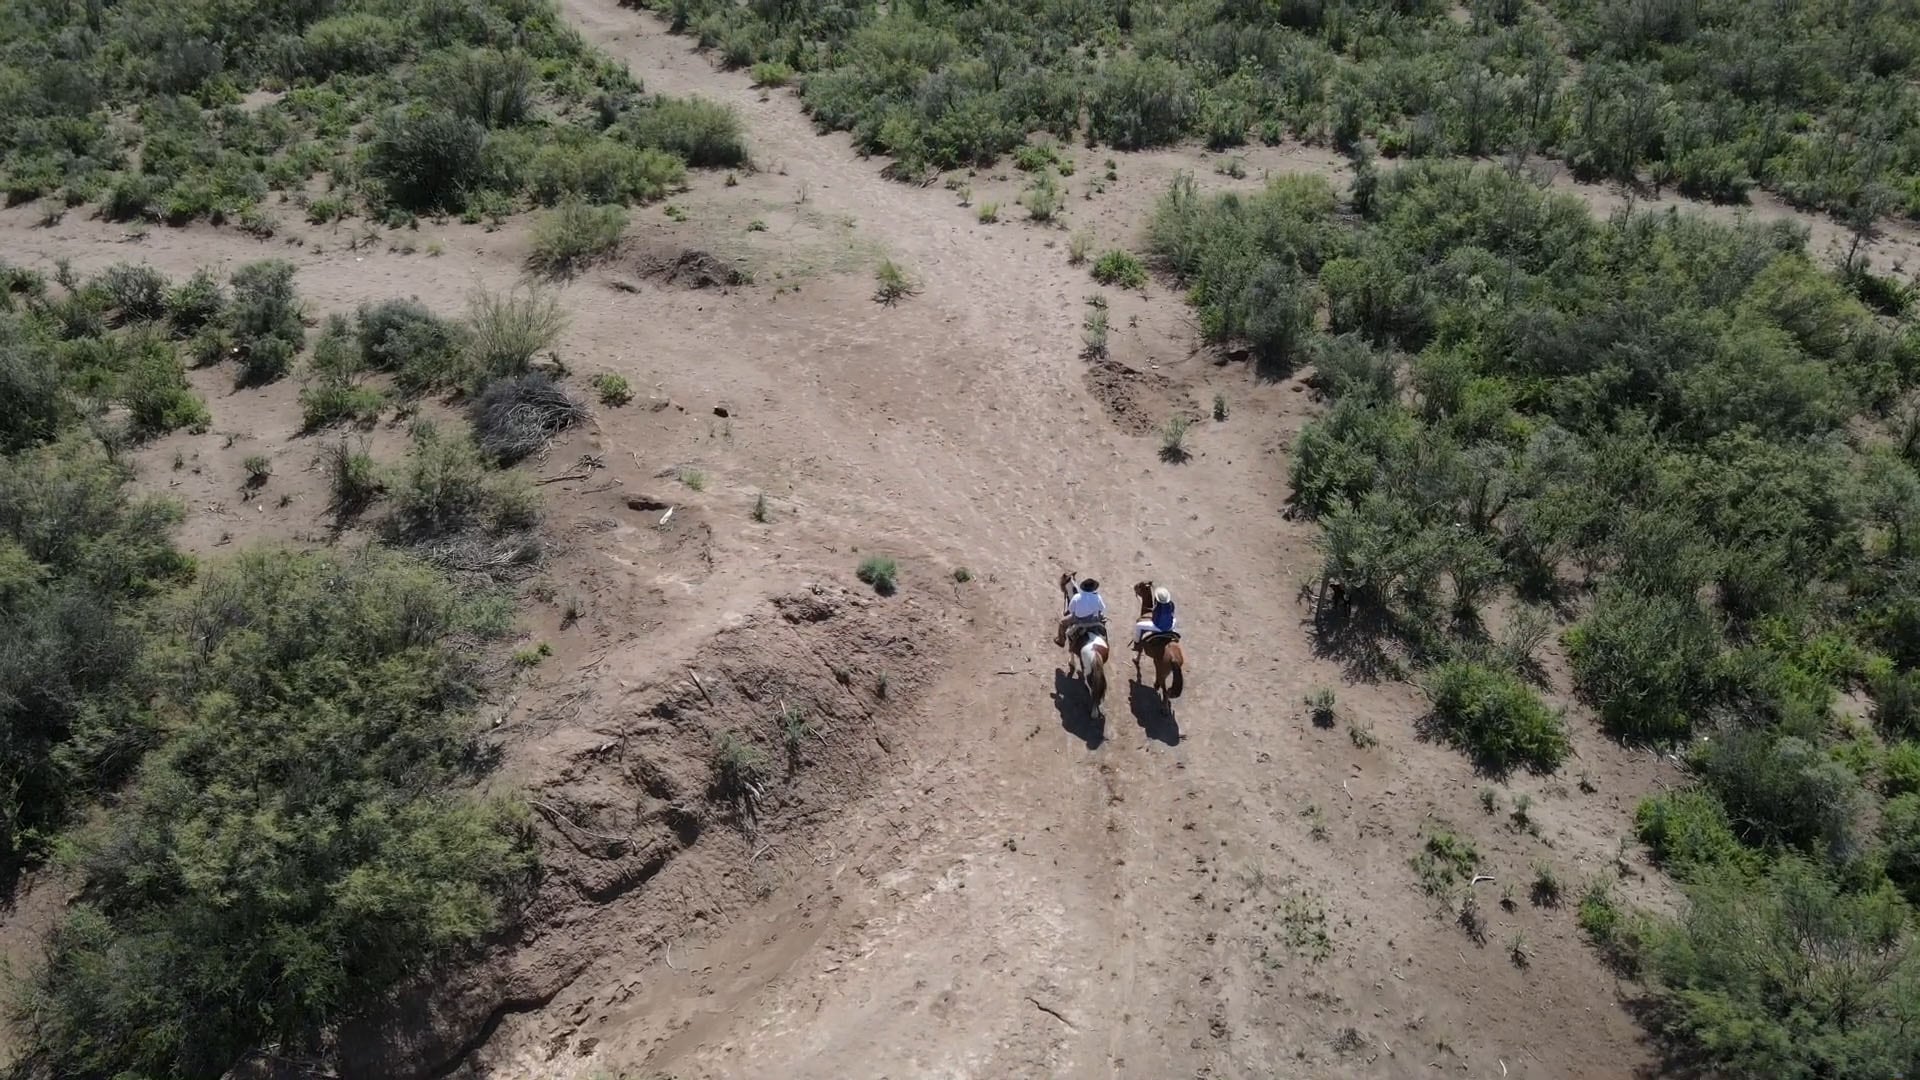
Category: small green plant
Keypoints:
(769, 74)
(1093, 334)
(693, 478)
(259, 467)
(1120, 268)
(1517, 950)
(893, 283)
(1444, 860)
(1489, 800)
(756, 225)
(1506, 897)
(1078, 245)
(1219, 406)
(988, 213)
(1042, 198)
(1546, 885)
(1587, 786)
(879, 572)
(352, 479)
(531, 657)
(881, 684)
(613, 389)
(1362, 737)
(574, 235)
(738, 766)
(1320, 706)
(796, 729)
(674, 213)
(1521, 813)
(760, 511)
(1316, 822)
(965, 193)
(962, 575)
(1471, 919)
(1173, 440)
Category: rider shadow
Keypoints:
(1154, 716)
(1076, 711)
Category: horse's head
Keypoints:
(1143, 590)
(1066, 584)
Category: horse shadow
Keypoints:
(1154, 716)
(1076, 710)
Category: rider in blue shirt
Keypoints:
(1162, 620)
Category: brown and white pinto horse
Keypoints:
(1165, 649)
(1089, 662)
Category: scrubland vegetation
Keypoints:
(273, 749)
(1699, 447)
(1813, 99)
(475, 108)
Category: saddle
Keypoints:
(1159, 637)
(1077, 633)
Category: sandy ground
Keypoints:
(950, 872)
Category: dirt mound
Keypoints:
(682, 787)
(1137, 401)
(693, 269)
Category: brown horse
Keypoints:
(1089, 661)
(1165, 649)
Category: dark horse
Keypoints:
(1163, 647)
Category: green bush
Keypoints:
(574, 235)
(704, 134)
(1121, 269)
(771, 74)
(1900, 769)
(1900, 837)
(428, 159)
(879, 572)
(1136, 103)
(1496, 718)
(491, 88)
(264, 318)
(139, 292)
(155, 391)
(1689, 833)
(295, 849)
(1646, 661)
(1792, 977)
(445, 487)
(505, 330)
(1785, 791)
(353, 481)
(613, 389)
(403, 338)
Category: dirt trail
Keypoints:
(1013, 894)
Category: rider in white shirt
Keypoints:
(1084, 608)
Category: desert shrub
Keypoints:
(155, 391)
(1784, 791)
(1688, 832)
(491, 88)
(505, 330)
(1646, 661)
(891, 283)
(139, 293)
(704, 134)
(33, 402)
(574, 235)
(880, 572)
(1496, 717)
(77, 554)
(602, 171)
(1900, 839)
(321, 693)
(1120, 268)
(1792, 976)
(445, 487)
(1042, 198)
(519, 414)
(353, 480)
(264, 318)
(771, 74)
(613, 389)
(403, 338)
(196, 302)
(354, 43)
(1900, 769)
(428, 159)
(1136, 103)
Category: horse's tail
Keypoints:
(1178, 659)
